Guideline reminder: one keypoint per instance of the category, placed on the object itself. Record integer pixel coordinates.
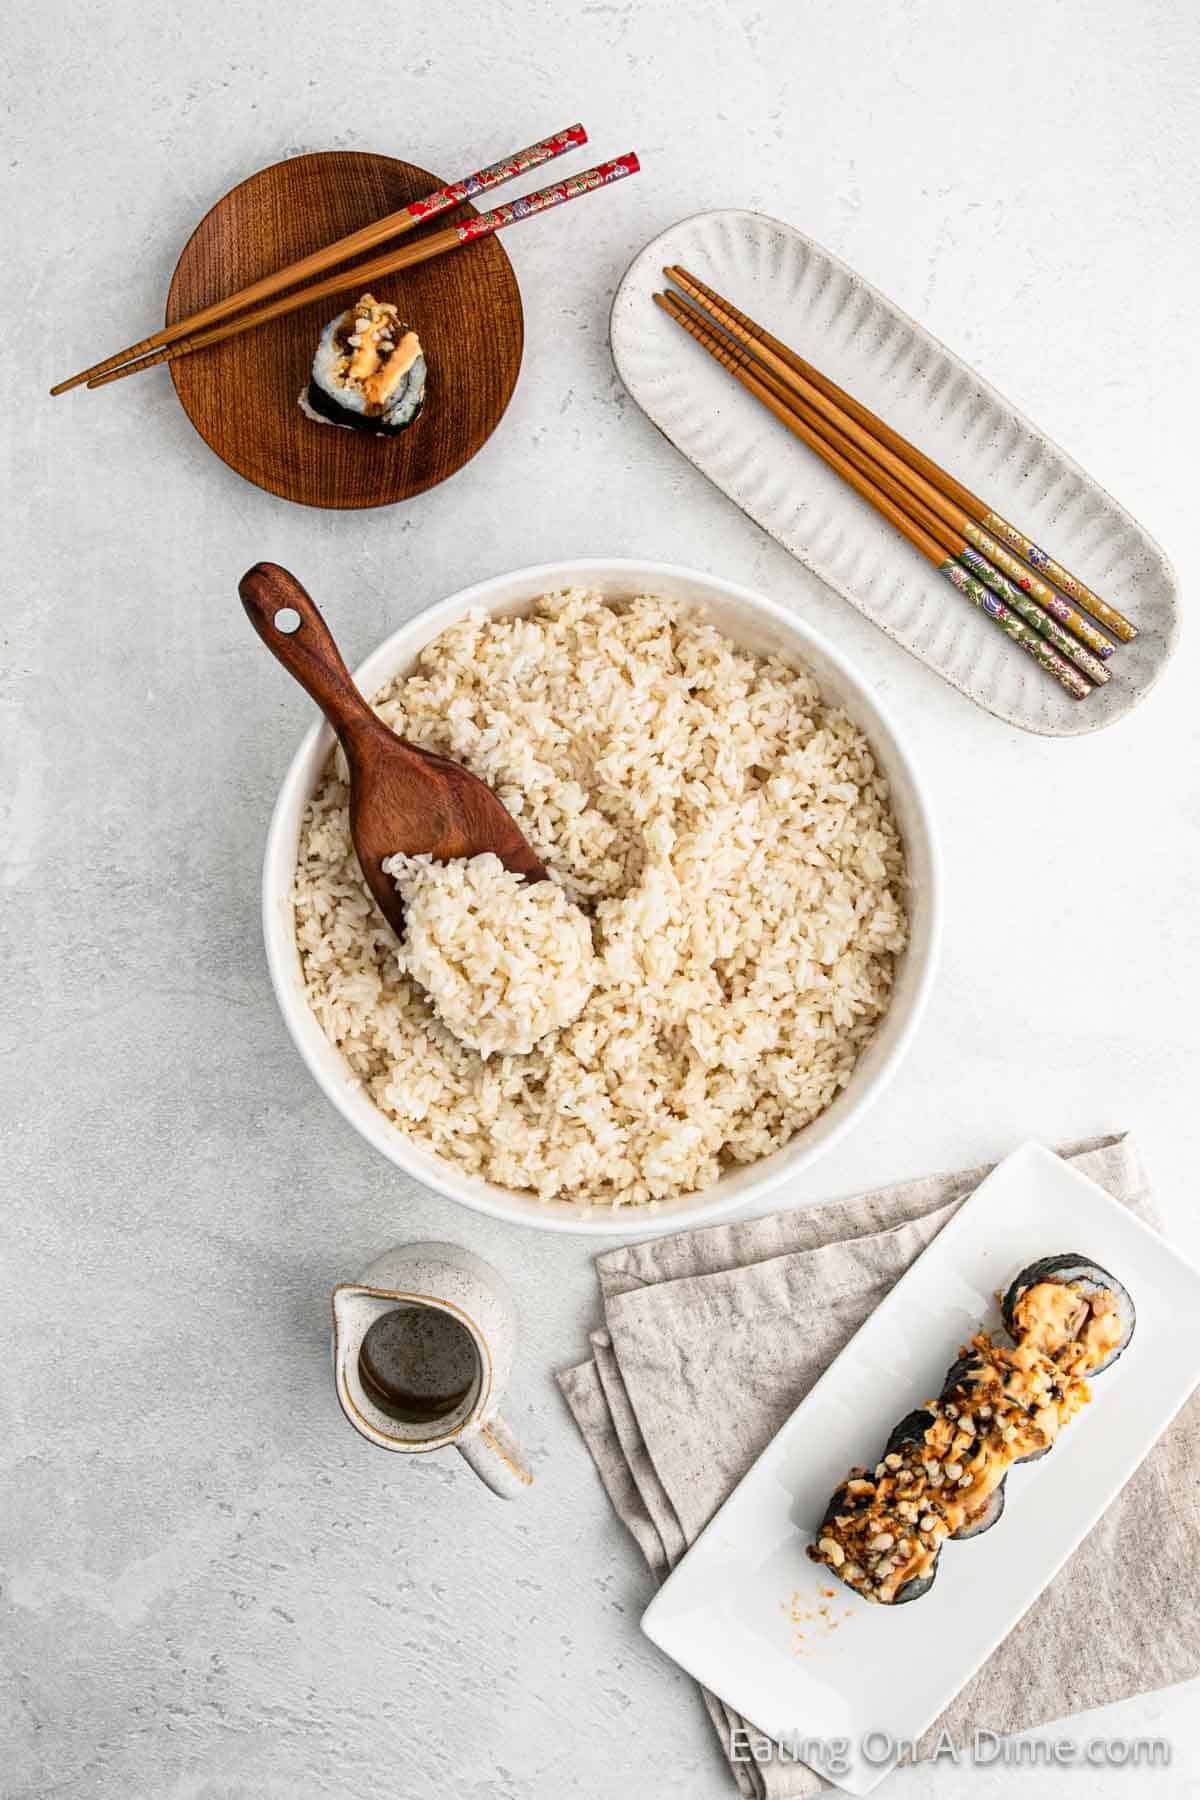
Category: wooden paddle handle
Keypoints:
(307, 651)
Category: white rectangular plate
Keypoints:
(725, 1613)
(854, 334)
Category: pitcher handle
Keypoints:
(492, 1451)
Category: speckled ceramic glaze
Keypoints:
(434, 1285)
(855, 335)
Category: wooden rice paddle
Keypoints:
(402, 798)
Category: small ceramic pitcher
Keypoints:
(422, 1348)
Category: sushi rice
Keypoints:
(368, 373)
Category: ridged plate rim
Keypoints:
(1051, 712)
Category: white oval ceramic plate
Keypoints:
(858, 337)
(725, 1613)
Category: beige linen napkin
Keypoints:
(712, 1337)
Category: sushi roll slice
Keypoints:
(1071, 1307)
(870, 1534)
(964, 1376)
(965, 1380)
(368, 373)
(917, 1586)
(985, 1518)
(912, 1430)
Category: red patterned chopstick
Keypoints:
(442, 199)
(392, 225)
(451, 237)
(483, 224)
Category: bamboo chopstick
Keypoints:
(934, 498)
(453, 237)
(980, 516)
(917, 535)
(861, 451)
(408, 217)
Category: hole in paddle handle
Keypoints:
(287, 620)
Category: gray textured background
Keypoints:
(211, 1589)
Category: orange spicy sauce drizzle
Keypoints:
(1004, 1406)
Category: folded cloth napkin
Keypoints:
(713, 1337)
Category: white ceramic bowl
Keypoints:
(758, 625)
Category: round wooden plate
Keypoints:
(241, 395)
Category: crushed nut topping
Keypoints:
(1000, 1407)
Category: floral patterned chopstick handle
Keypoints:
(1030, 640)
(1062, 578)
(507, 169)
(575, 185)
(1034, 615)
(1038, 590)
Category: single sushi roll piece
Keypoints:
(967, 1378)
(917, 1586)
(368, 373)
(1072, 1310)
(911, 1430)
(985, 1518)
(964, 1375)
(915, 1429)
